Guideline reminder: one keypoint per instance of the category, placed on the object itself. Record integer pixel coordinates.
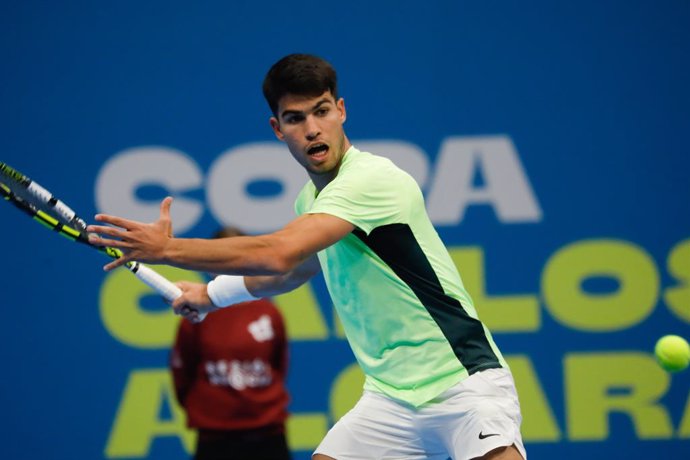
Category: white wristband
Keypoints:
(226, 290)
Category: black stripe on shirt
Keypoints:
(396, 245)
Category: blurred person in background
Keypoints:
(229, 376)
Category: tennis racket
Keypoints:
(45, 208)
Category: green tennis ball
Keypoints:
(672, 352)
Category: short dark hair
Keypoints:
(300, 74)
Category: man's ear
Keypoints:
(275, 125)
(341, 108)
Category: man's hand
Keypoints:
(194, 303)
(138, 241)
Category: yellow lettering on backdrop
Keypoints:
(684, 428)
(678, 297)
(514, 313)
(125, 320)
(597, 385)
(339, 330)
(306, 430)
(346, 391)
(138, 421)
(629, 305)
(538, 421)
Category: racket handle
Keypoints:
(157, 282)
(161, 285)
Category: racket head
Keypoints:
(43, 214)
(25, 190)
(42, 206)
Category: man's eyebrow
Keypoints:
(321, 102)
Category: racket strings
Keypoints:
(49, 211)
(44, 218)
(42, 206)
(25, 189)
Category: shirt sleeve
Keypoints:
(366, 199)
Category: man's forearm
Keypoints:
(271, 285)
(232, 256)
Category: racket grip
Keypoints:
(160, 284)
(157, 282)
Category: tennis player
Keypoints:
(436, 384)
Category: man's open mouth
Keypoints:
(317, 148)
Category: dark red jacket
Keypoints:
(230, 370)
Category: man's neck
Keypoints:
(322, 180)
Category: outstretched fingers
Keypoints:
(96, 232)
(117, 221)
(165, 207)
(116, 263)
(137, 240)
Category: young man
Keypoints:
(436, 384)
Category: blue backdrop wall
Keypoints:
(550, 139)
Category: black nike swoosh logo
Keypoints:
(484, 436)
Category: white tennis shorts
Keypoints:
(473, 417)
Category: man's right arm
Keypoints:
(277, 253)
(271, 285)
(196, 298)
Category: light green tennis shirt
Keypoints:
(410, 323)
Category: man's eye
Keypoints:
(293, 120)
(321, 112)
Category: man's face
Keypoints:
(312, 128)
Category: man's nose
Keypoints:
(312, 131)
